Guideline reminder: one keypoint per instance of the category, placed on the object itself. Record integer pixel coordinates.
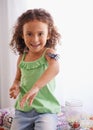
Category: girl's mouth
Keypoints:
(35, 45)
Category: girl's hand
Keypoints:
(14, 91)
(30, 95)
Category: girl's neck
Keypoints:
(34, 56)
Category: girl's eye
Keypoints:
(29, 34)
(41, 34)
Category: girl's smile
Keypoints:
(34, 46)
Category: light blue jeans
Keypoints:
(34, 121)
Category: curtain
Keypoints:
(9, 12)
(4, 54)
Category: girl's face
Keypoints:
(35, 35)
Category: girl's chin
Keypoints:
(36, 49)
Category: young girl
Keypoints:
(35, 38)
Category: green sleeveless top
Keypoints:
(45, 101)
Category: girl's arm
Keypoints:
(14, 90)
(49, 74)
(51, 71)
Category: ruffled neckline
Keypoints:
(33, 64)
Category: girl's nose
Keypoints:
(35, 38)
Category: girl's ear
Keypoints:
(22, 36)
(48, 37)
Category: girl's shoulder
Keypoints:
(51, 54)
(20, 58)
(50, 50)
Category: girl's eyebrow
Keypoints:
(41, 31)
(37, 31)
(28, 31)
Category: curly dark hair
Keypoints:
(17, 43)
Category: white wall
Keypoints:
(78, 51)
(74, 19)
(77, 64)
